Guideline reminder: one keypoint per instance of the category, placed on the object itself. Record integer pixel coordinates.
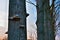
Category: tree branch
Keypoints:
(31, 3)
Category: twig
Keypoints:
(31, 3)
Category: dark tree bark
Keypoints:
(44, 21)
(17, 20)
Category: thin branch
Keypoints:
(31, 3)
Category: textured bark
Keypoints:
(17, 25)
(44, 21)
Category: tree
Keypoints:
(17, 20)
(44, 21)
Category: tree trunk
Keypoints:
(44, 26)
(17, 20)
